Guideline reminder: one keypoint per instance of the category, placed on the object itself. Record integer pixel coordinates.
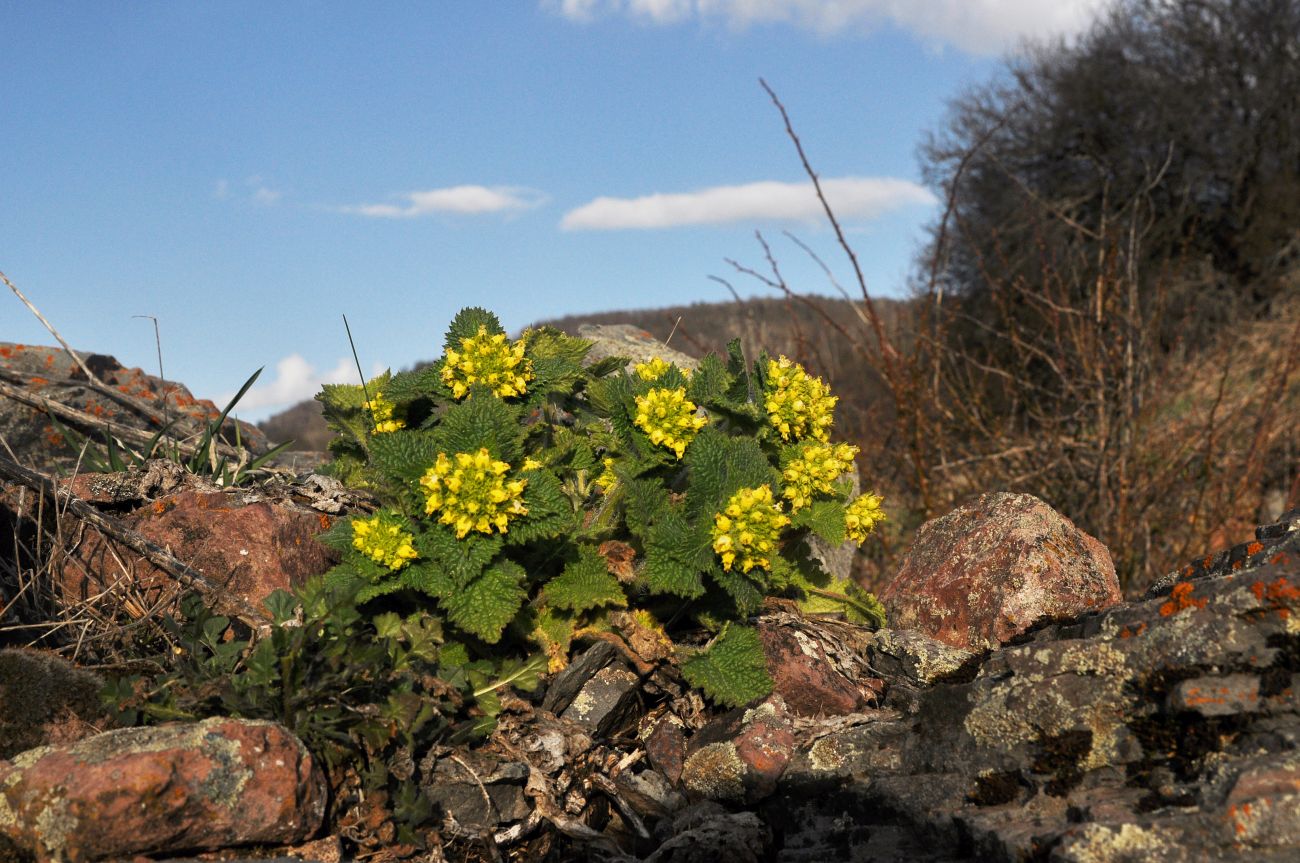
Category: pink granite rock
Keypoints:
(212, 784)
(992, 569)
(741, 755)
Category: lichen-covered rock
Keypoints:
(740, 756)
(212, 784)
(45, 699)
(993, 569)
(812, 668)
(49, 372)
(1161, 730)
(251, 548)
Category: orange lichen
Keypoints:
(39, 382)
(163, 506)
(1140, 628)
(1181, 599)
(6, 353)
(324, 522)
(1280, 558)
(1254, 548)
(1277, 591)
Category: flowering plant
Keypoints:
(507, 471)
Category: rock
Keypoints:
(707, 833)
(478, 791)
(605, 701)
(49, 372)
(740, 756)
(992, 570)
(664, 738)
(45, 699)
(1166, 729)
(815, 673)
(625, 340)
(251, 548)
(212, 784)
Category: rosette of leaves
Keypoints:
(516, 465)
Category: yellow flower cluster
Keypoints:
(654, 369)
(472, 492)
(748, 528)
(382, 540)
(861, 516)
(487, 359)
(668, 417)
(798, 404)
(814, 470)
(607, 478)
(382, 410)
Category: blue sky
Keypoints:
(248, 172)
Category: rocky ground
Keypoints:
(1017, 709)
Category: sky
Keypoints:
(246, 173)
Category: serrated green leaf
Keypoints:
(488, 603)
(662, 574)
(548, 343)
(824, 518)
(432, 579)
(733, 670)
(406, 387)
(344, 409)
(552, 631)
(404, 455)
(646, 502)
(709, 382)
(481, 420)
(461, 560)
(466, 323)
(846, 597)
(375, 590)
(550, 513)
(742, 589)
(585, 583)
(607, 366)
(720, 466)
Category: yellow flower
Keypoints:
(654, 369)
(487, 359)
(382, 410)
(748, 528)
(530, 463)
(668, 417)
(798, 405)
(383, 540)
(814, 471)
(607, 479)
(471, 491)
(861, 516)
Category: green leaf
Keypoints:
(733, 670)
(378, 589)
(490, 602)
(406, 387)
(482, 420)
(663, 575)
(548, 343)
(720, 466)
(824, 518)
(403, 455)
(282, 604)
(607, 366)
(466, 323)
(344, 408)
(710, 381)
(742, 589)
(550, 513)
(462, 560)
(430, 578)
(846, 597)
(646, 503)
(585, 583)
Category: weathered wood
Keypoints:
(217, 597)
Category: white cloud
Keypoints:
(976, 26)
(850, 197)
(295, 380)
(462, 200)
(249, 189)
